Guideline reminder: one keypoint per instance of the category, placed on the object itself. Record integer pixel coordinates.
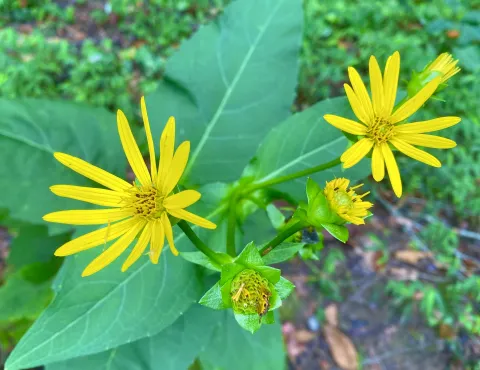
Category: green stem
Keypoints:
(201, 246)
(232, 223)
(289, 231)
(292, 176)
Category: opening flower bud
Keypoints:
(345, 202)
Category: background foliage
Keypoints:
(108, 53)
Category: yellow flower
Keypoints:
(445, 66)
(141, 208)
(346, 202)
(380, 125)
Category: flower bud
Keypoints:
(444, 66)
(345, 202)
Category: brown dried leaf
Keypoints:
(400, 273)
(331, 314)
(342, 349)
(410, 256)
(304, 336)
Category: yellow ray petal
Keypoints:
(428, 141)
(131, 150)
(175, 172)
(167, 143)
(356, 105)
(193, 218)
(95, 238)
(414, 103)
(427, 126)
(92, 172)
(101, 197)
(88, 217)
(158, 241)
(361, 91)
(345, 124)
(356, 152)
(390, 82)
(182, 200)
(415, 153)
(378, 164)
(151, 146)
(167, 228)
(376, 86)
(392, 168)
(114, 251)
(137, 251)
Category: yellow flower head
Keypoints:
(142, 208)
(445, 65)
(346, 202)
(381, 127)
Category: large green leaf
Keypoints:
(33, 244)
(30, 132)
(22, 299)
(111, 308)
(234, 348)
(303, 141)
(174, 348)
(230, 84)
(108, 309)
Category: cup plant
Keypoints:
(227, 87)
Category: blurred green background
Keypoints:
(109, 53)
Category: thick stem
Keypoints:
(201, 246)
(232, 223)
(292, 176)
(289, 231)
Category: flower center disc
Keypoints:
(381, 130)
(146, 202)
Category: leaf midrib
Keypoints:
(229, 91)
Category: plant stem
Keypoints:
(293, 176)
(289, 231)
(201, 246)
(232, 223)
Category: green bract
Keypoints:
(252, 289)
(317, 212)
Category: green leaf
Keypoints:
(270, 273)
(312, 190)
(282, 253)
(22, 299)
(248, 322)
(201, 259)
(174, 348)
(303, 141)
(225, 291)
(250, 256)
(284, 287)
(108, 309)
(33, 244)
(337, 231)
(233, 348)
(276, 216)
(230, 271)
(230, 84)
(30, 132)
(213, 298)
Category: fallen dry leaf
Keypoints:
(342, 349)
(331, 314)
(410, 256)
(400, 273)
(304, 336)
